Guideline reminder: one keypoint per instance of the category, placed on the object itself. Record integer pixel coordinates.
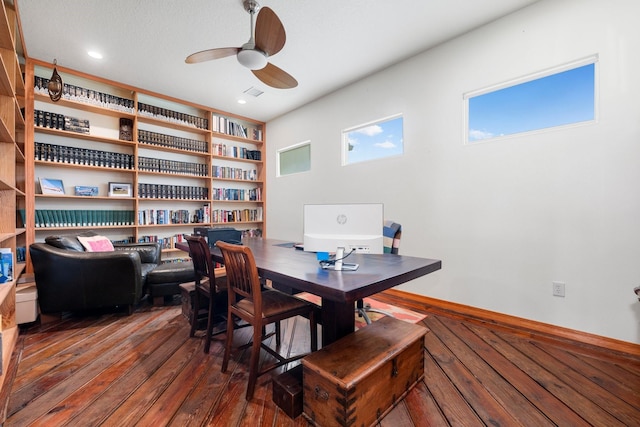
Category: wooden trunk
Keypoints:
(357, 380)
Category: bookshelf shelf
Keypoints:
(75, 166)
(166, 134)
(86, 137)
(84, 106)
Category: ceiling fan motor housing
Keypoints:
(252, 58)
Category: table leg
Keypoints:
(338, 320)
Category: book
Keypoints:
(6, 265)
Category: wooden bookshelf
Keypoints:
(165, 131)
(12, 175)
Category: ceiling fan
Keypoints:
(269, 38)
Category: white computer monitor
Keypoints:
(353, 226)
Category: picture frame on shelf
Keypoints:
(120, 189)
(51, 186)
(85, 190)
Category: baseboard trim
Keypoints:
(526, 326)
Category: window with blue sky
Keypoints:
(563, 97)
(374, 140)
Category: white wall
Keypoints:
(508, 217)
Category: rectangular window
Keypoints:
(374, 140)
(294, 159)
(562, 96)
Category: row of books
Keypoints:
(237, 152)
(172, 166)
(229, 127)
(159, 139)
(236, 215)
(88, 96)
(249, 195)
(172, 116)
(82, 156)
(234, 173)
(83, 218)
(170, 216)
(47, 119)
(167, 191)
(168, 242)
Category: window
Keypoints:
(294, 159)
(559, 97)
(375, 140)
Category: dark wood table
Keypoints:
(339, 290)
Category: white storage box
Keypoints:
(26, 305)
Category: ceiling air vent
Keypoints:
(253, 92)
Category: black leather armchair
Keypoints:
(70, 279)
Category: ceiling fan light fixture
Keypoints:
(252, 59)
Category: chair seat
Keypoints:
(273, 303)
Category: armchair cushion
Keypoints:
(96, 243)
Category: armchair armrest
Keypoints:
(150, 253)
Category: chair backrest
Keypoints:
(242, 273)
(391, 234)
(201, 257)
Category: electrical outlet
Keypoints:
(558, 289)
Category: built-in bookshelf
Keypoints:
(12, 179)
(175, 165)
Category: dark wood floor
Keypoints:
(144, 370)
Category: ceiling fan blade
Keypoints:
(270, 35)
(275, 77)
(209, 54)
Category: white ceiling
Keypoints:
(330, 43)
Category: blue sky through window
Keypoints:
(374, 141)
(555, 100)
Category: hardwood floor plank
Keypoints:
(397, 417)
(450, 401)
(118, 391)
(75, 355)
(177, 391)
(621, 377)
(88, 393)
(479, 398)
(205, 392)
(570, 399)
(503, 362)
(473, 353)
(423, 409)
(146, 395)
(64, 380)
(599, 407)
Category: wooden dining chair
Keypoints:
(259, 307)
(206, 286)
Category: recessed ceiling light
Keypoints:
(94, 54)
(241, 101)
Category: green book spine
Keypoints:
(39, 219)
(56, 218)
(48, 222)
